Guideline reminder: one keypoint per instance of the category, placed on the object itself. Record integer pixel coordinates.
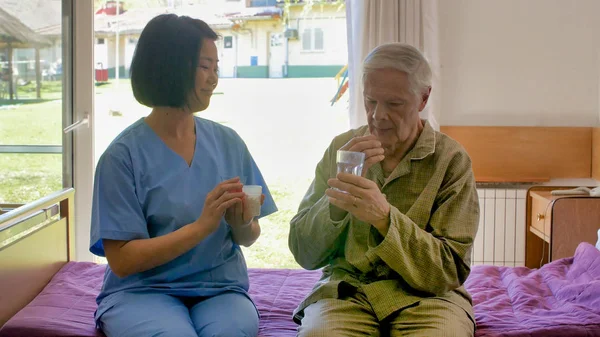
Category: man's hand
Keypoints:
(362, 198)
(370, 146)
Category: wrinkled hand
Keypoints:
(370, 146)
(238, 215)
(363, 199)
(218, 201)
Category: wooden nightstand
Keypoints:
(555, 225)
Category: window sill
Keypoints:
(312, 52)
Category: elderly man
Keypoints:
(396, 242)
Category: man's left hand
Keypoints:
(363, 199)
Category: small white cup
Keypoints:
(253, 195)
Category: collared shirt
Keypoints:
(434, 215)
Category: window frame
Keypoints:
(312, 35)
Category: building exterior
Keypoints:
(297, 39)
(319, 44)
(260, 38)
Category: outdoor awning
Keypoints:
(15, 33)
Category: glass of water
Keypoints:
(350, 162)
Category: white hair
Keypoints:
(402, 57)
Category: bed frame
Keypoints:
(36, 240)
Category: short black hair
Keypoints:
(163, 68)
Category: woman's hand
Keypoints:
(225, 195)
(238, 214)
(370, 146)
(135, 256)
(245, 230)
(362, 198)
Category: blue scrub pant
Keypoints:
(146, 314)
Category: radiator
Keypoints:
(500, 239)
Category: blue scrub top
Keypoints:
(143, 189)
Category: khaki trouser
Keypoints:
(353, 316)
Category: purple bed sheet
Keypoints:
(560, 299)
(66, 305)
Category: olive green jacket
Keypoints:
(427, 251)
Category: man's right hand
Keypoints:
(370, 146)
(373, 151)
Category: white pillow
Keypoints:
(598, 243)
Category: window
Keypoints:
(34, 153)
(262, 3)
(307, 39)
(318, 38)
(100, 41)
(312, 39)
(228, 42)
(245, 97)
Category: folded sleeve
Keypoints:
(116, 211)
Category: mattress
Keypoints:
(66, 306)
(560, 299)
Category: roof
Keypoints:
(255, 13)
(55, 30)
(44, 16)
(313, 2)
(35, 14)
(134, 20)
(15, 32)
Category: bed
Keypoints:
(43, 293)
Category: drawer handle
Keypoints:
(540, 217)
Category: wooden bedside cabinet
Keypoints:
(555, 225)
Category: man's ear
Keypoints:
(425, 99)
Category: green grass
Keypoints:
(31, 123)
(28, 177)
(285, 132)
(271, 249)
(49, 90)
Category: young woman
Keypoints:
(169, 226)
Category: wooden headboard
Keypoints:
(35, 241)
(596, 154)
(528, 154)
(577, 220)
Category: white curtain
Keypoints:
(374, 22)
